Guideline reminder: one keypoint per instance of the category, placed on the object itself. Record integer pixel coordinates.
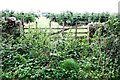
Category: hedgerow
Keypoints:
(70, 18)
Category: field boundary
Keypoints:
(63, 30)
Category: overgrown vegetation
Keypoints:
(28, 17)
(11, 22)
(71, 18)
(35, 56)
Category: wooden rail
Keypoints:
(63, 30)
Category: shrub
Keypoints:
(70, 64)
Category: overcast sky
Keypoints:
(61, 5)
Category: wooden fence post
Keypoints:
(76, 30)
(63, 29)
(29, 24)
(50, 24)
(88, 33)
(22, 20)
(36, 23)
(50, 27)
